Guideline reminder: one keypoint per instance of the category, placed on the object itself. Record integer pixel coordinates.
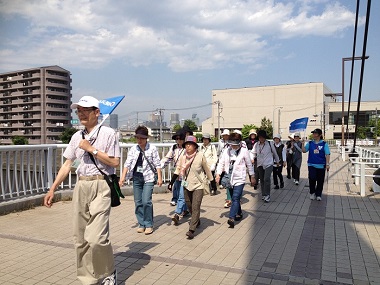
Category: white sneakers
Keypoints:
(110, 280)
(173, 203)
(267, 199)
(312, 197)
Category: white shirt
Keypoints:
(239, 170)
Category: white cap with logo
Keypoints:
(86, 101)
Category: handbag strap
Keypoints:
(147, 160)
(93, 160)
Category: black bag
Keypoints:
(226, 180)
(113, 183)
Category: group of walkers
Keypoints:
(196, 171)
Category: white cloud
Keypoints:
(184, 35)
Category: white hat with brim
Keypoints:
(86, 101)
(278, 136)
(226, 132)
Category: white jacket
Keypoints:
(239, 170)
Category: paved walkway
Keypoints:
(291, 240)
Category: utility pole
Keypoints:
(160, 114)
(220, 109)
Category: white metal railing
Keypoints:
(30, 169)
(367, 160)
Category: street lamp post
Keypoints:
(344, 59)
(278, 123)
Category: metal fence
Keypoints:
(364, 165)
(31, 169)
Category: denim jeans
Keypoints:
(236, 194)
(181, 203)
(176, 186)
(142, 192)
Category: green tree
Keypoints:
(245, 130)
(176, 128)
(66, 135)
(266, 125)
(362, 132)
(19, 140)
(191, 125)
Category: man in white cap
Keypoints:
(92, 197)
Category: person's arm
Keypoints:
(123, 175)
(297, 147)
(206, 169)
(157, 164)
(284, 156)
(327, 152)
(305, 148)
(62, 174)
(101, 155)
(168, 158)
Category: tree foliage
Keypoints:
(176, 128)
(191, 125)
(66, 135)
(19, 140)
(245, 130)
(267, 125)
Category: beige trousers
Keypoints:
(92, 206)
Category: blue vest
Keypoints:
(317, 158)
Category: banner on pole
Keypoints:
(107, 106)
(298, 125)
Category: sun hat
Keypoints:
(277, 136)
(206, 136)
(252, 132)
(234, 139)
(262, 134)
(180, 133)
(86, 101)
(142, 132)
(318, 131)
(190, 139)
(297, 135)
(225, 132)
(236, 131)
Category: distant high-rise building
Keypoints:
(174, 119)
(35, 104)
(195, 119)
(114, 121)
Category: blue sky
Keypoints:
(172, 54)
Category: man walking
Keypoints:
(265, 154)
(92, 195)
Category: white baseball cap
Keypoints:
(225, 132)
(86, 101)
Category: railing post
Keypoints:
(357, 171)
(343, 153)
(362, 179)
(49, 165)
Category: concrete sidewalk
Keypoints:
(291, 240)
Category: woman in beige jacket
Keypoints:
(194, 173)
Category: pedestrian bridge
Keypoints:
(291, 240)
(29, 170)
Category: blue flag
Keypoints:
(107, 106)
(298, 125)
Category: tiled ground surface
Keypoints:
(291, 240)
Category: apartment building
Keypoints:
(35, 104)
